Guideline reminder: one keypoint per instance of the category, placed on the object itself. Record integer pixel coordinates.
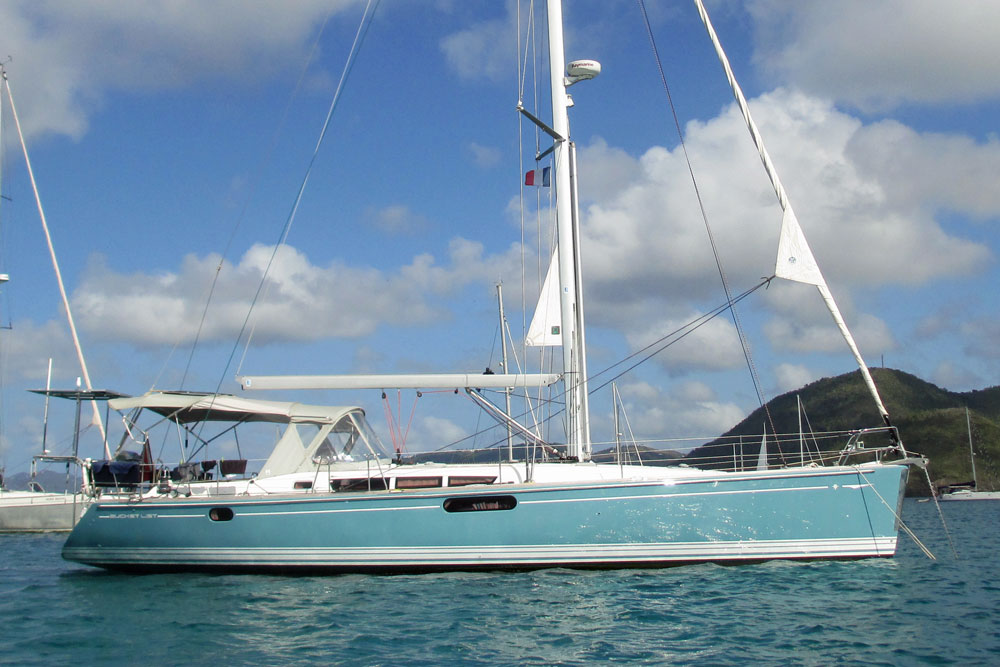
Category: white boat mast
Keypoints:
(571, 328)
(972, 452)
(55, 265)
(567, 229)
(503, 367)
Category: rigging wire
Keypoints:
(530, 55)
(366, 22)
(270, 150)
(246, 204)
(744, 343)
(649, 351)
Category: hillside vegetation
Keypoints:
(931, 422)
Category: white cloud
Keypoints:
(877, 55)
(67, 55)
(943, 322)
(691, 409)
(712, 346)
(482, 50)
(800, 322)
(28, 346)
(870, 333)
(397, 219)
(950, 174)
(791, 376)
(431, 433)
(301, 302)
(646, 248)
(951, 376)
(484, 156)
(982, 335)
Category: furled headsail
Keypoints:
(795, 260)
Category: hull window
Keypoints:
(220, 514)
(480, 504)
(304, 485)
(470, 479)
(417, 482)
(362, 484)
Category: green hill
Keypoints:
(931, 421)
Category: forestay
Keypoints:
(795, 259)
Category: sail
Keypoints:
(544, 329)
(795, 260)
(762, 456)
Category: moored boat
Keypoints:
(40, 511)
(969, 490)
(329, 498)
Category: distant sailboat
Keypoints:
(35, 509)
(965, 492)
(330, 499)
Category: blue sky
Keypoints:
(166, 134)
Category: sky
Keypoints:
(169, 140)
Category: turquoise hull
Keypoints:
(808, 513)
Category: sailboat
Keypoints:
(969, 491)
(330, 499)
(35, 509)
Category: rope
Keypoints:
(660, 344)
(392, 423)
(899, 519)
(680, 333)
(937, 504)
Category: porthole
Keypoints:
(220, 514)
(480, 504)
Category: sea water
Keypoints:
(902, 611)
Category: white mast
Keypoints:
(503, 361)
(55, 265)
(571, 327)
(972, 453)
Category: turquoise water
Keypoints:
(908, 610)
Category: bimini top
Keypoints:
(186, 407)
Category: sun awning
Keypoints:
(188, 407)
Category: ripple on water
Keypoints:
(874, 612)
